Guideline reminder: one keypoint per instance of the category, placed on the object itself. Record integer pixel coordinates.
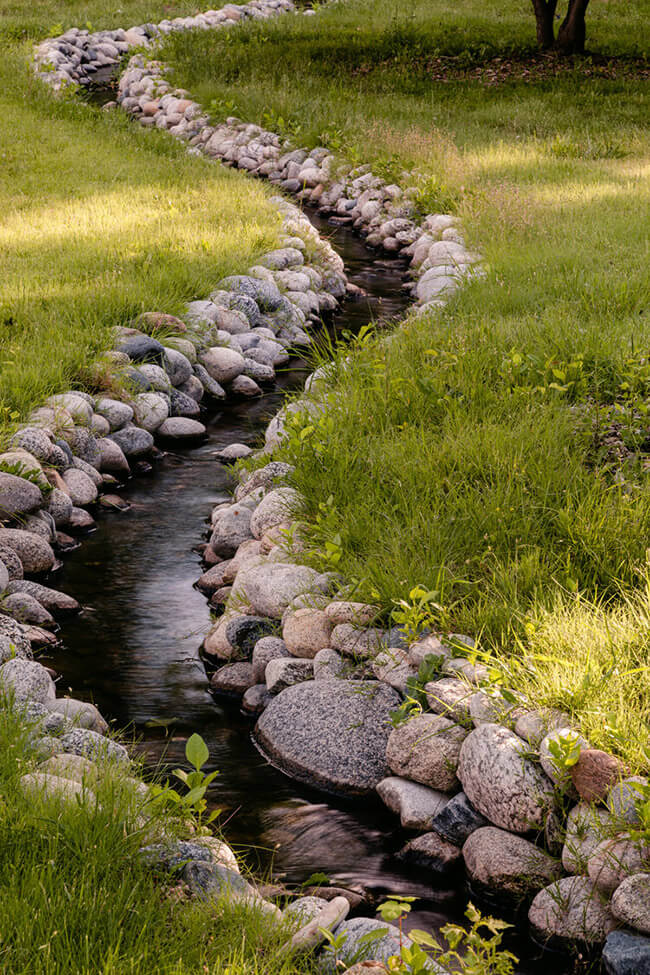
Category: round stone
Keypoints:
(426, 749)
(181, 428)
(306, 631)
(571, 910)
(18, 496)
(500, 861)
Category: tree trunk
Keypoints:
(544, 14)
(571, 35)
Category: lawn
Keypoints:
(495, 453)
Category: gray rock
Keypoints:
(265, 294)
(210, 879)
(304, 909)
(133, 441)
(498, 860)
(450, 697)
(112, 458)
(502, 782)
(269, 588)
(533, 726)
(623, 798)
(192, 387)
(244, 386)
(156, 377)
(384, 943)
(233, 680)
(265, 477)
(353, 641)
(332, 734)
(222, 364)
(81, 713)
(233, 452)
(616, 858)
(210, 385)
(586, 827)
(35, 441)
(626, 953)
(41, 786)
(59, 505)
(177, 365)
(13, 640)
(99, 426)
(283, 673)
(306, 631)
(18, 496)
(256, 699)
(142, 348)
(571, 910)
(26, 609)
(329, 665)
(430, 852)
(81, 489)
(631, 902)
(116, 412)
(415, 804)
(243, 633)
(26, 680)
(150, 409)
(11, 561)
(183, 405)
(83, 444)
(34, 553)
(267, 649)
(458, 820)
(426, 749)
(231, 530)
(561, 777)
(277, 507)
(90, 744)
(181, 428)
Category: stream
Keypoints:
(134, 650)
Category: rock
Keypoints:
(312, 934)
(458, 820)
(501, 781)
(34, 441)
(209, 878)
(533, 726)
(244, 386)
(360, 614)
(586, 827)
(356, 642)
(210, 385)
(517, 869)
(565, 738)
(415, 804)
(233, 680)
(177, 365)
(244, 632)
(133, 441)
(394, 667)
(282, 673)
(430, 852)
(35, 554)
(11, 561)
(614, 859)
(73, 767)
(13, 640)
(193, 387)
(256, 699)
(81, 489)
(56, 602)
(99, 426)
(80, 521)
(631, 902)
(304, 909)
(4, 577)
(571, 910)
(150, 409)
(276, 508)
(451, 698)
(331, 734)
(233, 452)
(595, 773)
(42, 786)
(626, 953)
(222, 364)
(231, 530)
(59, 505)
(155, 321)
(83, 445)
(26, 609)
(264, 477)
(383, 943)
(329, 665)
(18, 496)
(267, 649)
(90, 744)
(142, 348)
(214, 578)
(25, 680)
(367, 968)
(112, 458)
(624, 797)
(182, 405)
(306, 631)
(116, 412)
(426, 749)
(181, 428)
(269, 588)
(81, 713)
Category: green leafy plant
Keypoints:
(565, 752)
(196, 782)
(417, 613)
(415, 699)
(473, 952)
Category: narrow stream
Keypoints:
(134, 650)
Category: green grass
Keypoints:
(78, 899)
(450, 458)
(99, 221)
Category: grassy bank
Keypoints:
(67, 907)
(99, 221)
(495, 453)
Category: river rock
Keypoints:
(182, 405)
(73, 767)
(142, 348)
(533, 726)
(415, 804)
(631, 902)
(231, 530)
(267, 649)
(35, 554)
(265, 477)
(81, 713)
(34, 441)
(150, 410)
(384, 943)
(99, 426)
(11, 561)
(90, 744)
(256, 699)
(342, 611)
(329, 665)
(458, 820)
(233, 452)
(26, 680)
(59, 505)
(276, 508)
(81, 489)
(450, 697)
(269, 588)
(616, 858)
(222, 364)
(304, 909)
(331, 734)
(210, 385)
(4, 577)
(41, 785)
(112, 458)
(571, 910)
(426, 749)
(430, 852)
(502, 782)
(282, 673)
(233, 679)
(26, 609)
(177, 365)
(116, 412)
(560, 776)
(498, 860)
(56, 602)
(626, 953)
(18, 496)
(133, 441)
(624, 797)
(13, 640)
(354, 641)
(83, 445)
(306, 631)
(181, 428)
(586, 827)
(595, 773)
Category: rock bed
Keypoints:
(473, 776)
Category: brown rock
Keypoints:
(426, 749)
(498, 860)
(154, 321)
(615, 859)
(306, 631)
(233, 679)
(595, 773)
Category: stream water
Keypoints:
(134, 650)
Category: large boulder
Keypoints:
(426, 749)
(502, 782)
(331, 734)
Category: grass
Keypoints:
(67, 907)
(495, 453)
